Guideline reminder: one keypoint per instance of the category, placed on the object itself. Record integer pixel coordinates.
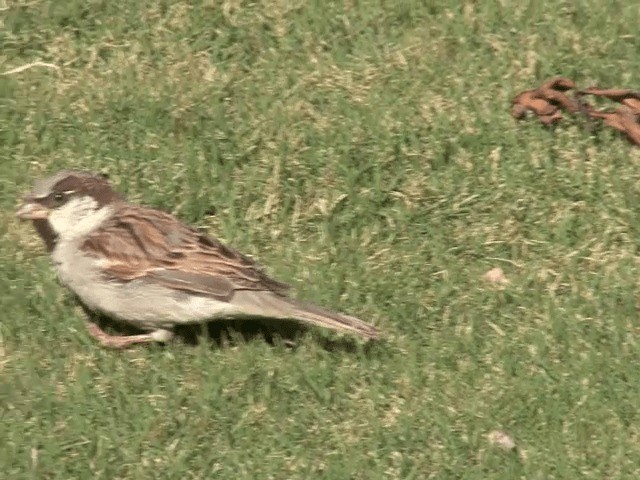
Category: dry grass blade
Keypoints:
(29, 66)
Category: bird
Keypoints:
(145, 268)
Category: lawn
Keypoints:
(362, 151)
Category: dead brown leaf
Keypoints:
(615, 94)
(546, 101)
(561, 84)
(549, 100)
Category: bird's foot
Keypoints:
(119, 341)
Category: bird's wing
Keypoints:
(139, 243)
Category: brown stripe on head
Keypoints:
(68, 183)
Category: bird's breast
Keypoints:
(141, 303)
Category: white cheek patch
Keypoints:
(79, 216)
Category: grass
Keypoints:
(363, 151)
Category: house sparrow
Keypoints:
(147, 269)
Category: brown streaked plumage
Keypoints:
(146, 268)
(142, 243)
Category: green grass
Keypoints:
(364, 152)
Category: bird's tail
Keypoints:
(272, 305)
(321, 317)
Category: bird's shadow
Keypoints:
(225, 333)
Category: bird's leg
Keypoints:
(118, 341)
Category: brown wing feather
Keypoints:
(145, 243)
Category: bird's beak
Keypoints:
(31, 210)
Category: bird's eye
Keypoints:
(59, 198)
